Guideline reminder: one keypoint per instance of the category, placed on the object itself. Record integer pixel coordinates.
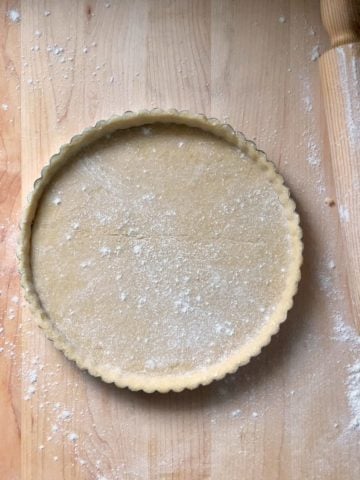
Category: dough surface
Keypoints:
(160, 252)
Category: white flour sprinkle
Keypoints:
(344, 333)
(236, 413)
(282, 19)
(137, 249)
(225, 329)
(14, 16)
(5, 107)
(105, 251)
(315, 53)
(65, 415)
(32, 376)
(344, 214)
(56, 201)
(85, 264)
(37, 34)
(353, 394)
(150, 364)
(55, 49)
(30, 392)
(73, 437)
(308, 104)
(331, 264)
(47, 13)
(313, 156)
(123, 296)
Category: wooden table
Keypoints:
(287, 415)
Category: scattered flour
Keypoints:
(14, 16)
(5, 107)
(31, 390)
(105, 251)
(32, 376)
(137, 249)
(236, 413)
(56, 201)
(150, 364)
(73, 437)
(331, 264)
(282, 19)
(344, 214)
(313, 149)
(65, 415)
(55, 49)
(345, 333)
(353, 394)
(315, 53)
(123, 296)
(308, 104)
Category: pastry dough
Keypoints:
(160, 250)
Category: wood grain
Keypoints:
(340, 75)
(283, 416)
(340, 78)
(341, 18)
(9, 215)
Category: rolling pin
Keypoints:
(340, 82)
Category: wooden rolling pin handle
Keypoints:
(340, 80)
(341, 18)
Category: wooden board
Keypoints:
(10, 183)
(287, 414)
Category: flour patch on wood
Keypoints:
(315, 53)
(14, 16)
(344, 214)
(353, 394)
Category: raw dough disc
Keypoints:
(160, 250)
